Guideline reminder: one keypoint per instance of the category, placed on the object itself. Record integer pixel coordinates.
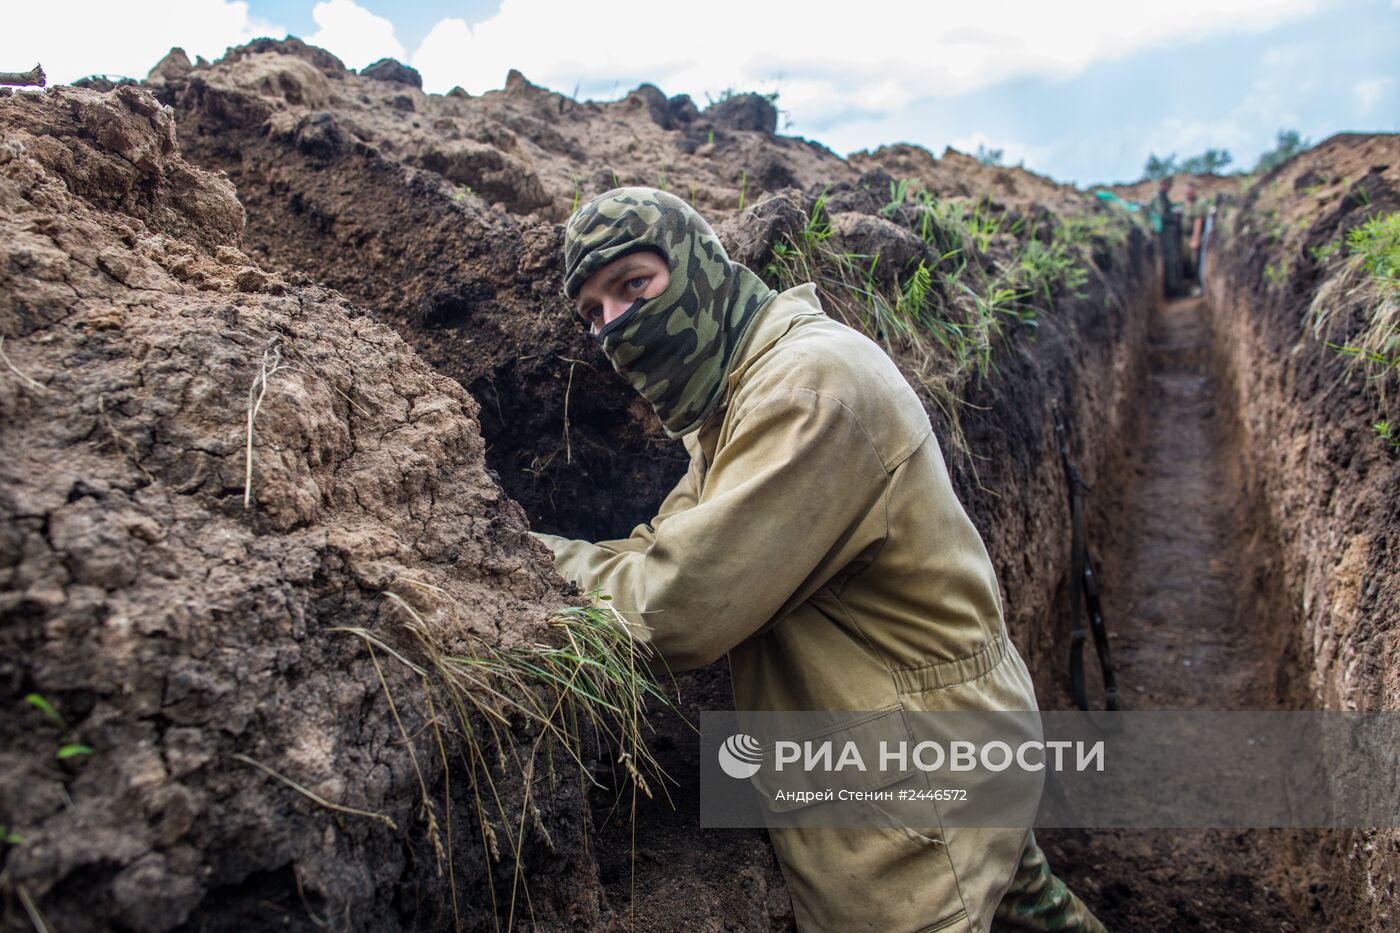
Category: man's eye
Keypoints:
(638, 283)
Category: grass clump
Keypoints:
(514, 715)
(983, 272)
(1357, 310)
(1365, 289)
(1388, 433)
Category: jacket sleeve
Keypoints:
(795, 478)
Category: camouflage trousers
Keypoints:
(1037, 900)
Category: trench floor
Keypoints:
(1185, 635)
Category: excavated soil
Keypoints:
(183, 633)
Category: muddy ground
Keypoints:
(437, 217)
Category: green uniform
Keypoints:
(816, 540)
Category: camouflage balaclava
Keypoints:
(675, 349)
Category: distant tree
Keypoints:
(1159, 168)
(988, 156)
(1288, 144)
(1210, 162)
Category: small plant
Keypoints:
(710, 138)
(988, 156)
(9, 837)
(915, 294)
(1326, 251)
(573, 208)
(743, 187)
(68, 746)
(1085, 229)
(1044, 269)
(1386, 432)
(898, 192)
(462, 192)
(661, 178)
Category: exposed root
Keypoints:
(271, 365)
(312, 795)
(38, 386)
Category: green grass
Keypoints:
(1388, 433)
(1043, 269)
(1326, 251)
(513, 712)
(1377, 244)
(1367, 286)
(945, 314)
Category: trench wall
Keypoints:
(1085, 360)
(473, 290)
(1320, 484)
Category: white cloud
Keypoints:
(1370, 92)
(829, 63)
(355, 35)
(123, 38)
(1012, 152)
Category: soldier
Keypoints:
(816, 540)
(1169, 221)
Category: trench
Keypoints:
(1184, 575)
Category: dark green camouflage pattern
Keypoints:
(1038, 901)
(675, 349)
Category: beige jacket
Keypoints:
(817, 540)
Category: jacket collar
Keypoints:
(773, 322)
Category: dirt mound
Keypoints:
(1287, 277)
(206, 744)
(521, 147)
(957, 174)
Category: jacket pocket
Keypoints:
(866, 730)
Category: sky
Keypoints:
(1081, 91)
